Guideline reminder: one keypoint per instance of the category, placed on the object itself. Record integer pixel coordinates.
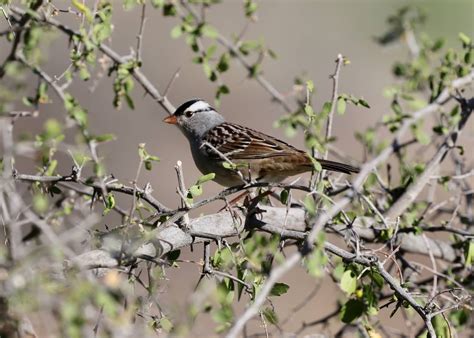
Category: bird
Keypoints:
(237, 154)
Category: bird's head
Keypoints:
(195, 118)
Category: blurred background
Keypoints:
(306, 36)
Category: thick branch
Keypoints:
(271, 220)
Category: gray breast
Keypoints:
(208, 165)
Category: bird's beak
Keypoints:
(170, 119)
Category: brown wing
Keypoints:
(239, 143)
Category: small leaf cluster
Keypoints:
(257, 48)
(312, 122)
(406, 18)
(92, 33)
(41, 96)
(146, 158)
(77, 113)
(363, 289)
(35, 36)
(195, 31)
(47, 143)
(316, 261)
(453, 64)
(250, 9)
(123, 83)
(252, 260)
(214, 62)
(196, 189)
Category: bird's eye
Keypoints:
(189, 113)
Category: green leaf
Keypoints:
(166, 324)
(440, 130)
(364, 103)
(250, 8)
(55, 190)
(223, 315)
(129, 4)
(272, 53)
(223, 89)
(176, 32)
(223, 64)
(310, 85)
(51, 168)
(129, 101)
(148, 165)
(377, 278)
(341, 106)
(52, 128)
(102, 31)
(209, 31)
(316, 164)
(309, 110)
(105, 138)
(316, 261)
(110, 201)
(466, 40)
(310, 205)
(99, 169)
(247, 46)
(348, 282)
(396, 107)
(279, 289)
(441, 327)
(438, 44)
(40, 203)
(205, 178)
(228, 165)
(211, 51)
(107, 302)
(158, 3)
(79, 115)
(43, 89)
(169, 10)
(459, 317)
(195, 190)
(326, 108)
(469, 254)
(173, 255)
(351, 310)
(421, 136)
(83, 9)
(128, 84)
(207, 69)
(468, 57)
(270, 315)
(153, 158)
(27, 101)
(284, 195)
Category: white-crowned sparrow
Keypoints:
(256, 155)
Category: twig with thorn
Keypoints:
(335, 87)
(182, 191)
(140, 33)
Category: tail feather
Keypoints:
(337, 166)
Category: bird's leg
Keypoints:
(252, 203)
(234, 201)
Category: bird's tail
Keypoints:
(337, 166)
